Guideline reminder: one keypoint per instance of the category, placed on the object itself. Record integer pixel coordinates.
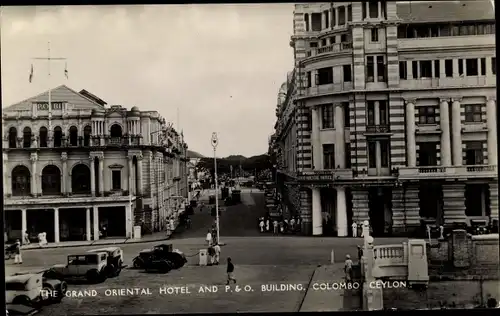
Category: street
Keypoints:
(258, 259)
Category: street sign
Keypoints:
(215, 141)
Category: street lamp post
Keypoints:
(215, 142)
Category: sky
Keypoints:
(218, 66)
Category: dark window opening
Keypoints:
(363, 6)
(374, 35)
(414, 68)
(349, 13)
(346, 69)
(471, 67)
(444, 30)
(372, 161)
(73, 136)
(328, 156)
(327, 19)
(333, 39)
(323, 42)
(473, 113)
(327, 120)
(460, 67)
(426, 115)
(347, 118)
(51, 180)
(384, 113)
(384, 153)
(324, 76)
(427, 154)
(370, 69)
(483, 66)
(342, 19)
(27, 137)
(306, 21)
(58, 136)
(477, 200)
(21, 181)
(381, 77)
(494, 65)
(313, 44)
(44, 134)
(12, 137)
(383, 7)
(437, 69)
(80, 179)
(474, 153)
(316, 22)
(403, 71)
(348, 155)
(308, 74)
(448, 68)
(430, 200)
(425, 69)
(116, 176)
(370, 113)
(434, 30)
(373, 8)
(87, 131)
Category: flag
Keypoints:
(66, 70)
(31, 74)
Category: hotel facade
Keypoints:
(389, 116)
(77, 165)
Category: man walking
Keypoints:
(208, 239)
(217, 254)
(17, 253)
(230, 272)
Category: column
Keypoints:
(330, 19)
(341, 216)
(64, 182)
(488, 66)
(378, 157)
(88, 230)
(367, 9)
(7, 179)
(376, 110)
(139, 171)
(442, 69)
(130, 173)
(56, 225)
(101, 174)
(310, 23)
(317, 218)
(336, 16)
(340, 157)
(411, 152)
(34, 178)
(24, 222)
(456, 133)
(92, 175)
(323, 21)
(409, 69)
(128, 220)
(444, 120)
(316, 144)
(455, 68)
(379, 9)
(96, 222)
(491, 121)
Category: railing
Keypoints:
(330, 88)
(387, 255)
(466, 81)
(333, 48)
(378, 129)
(451, 171)
(325, 175)
(446, 41)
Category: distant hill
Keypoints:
(194, 154)
(259, 162)
(235, 157)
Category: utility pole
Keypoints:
(215, 142)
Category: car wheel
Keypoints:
(47, 293)
(137, 263)
(22, 300)
(63, 288)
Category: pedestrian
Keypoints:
(348, 268)
(172, 225)
(275, 227)
(282, 227)
(188, 223)
(261, 224)
(268, 224)
(354, 229)
(211, 255)
(40, 240)
(292, 223)
(26, 239)
(217, 254)
(17, 253)
(208, 239)
(230, 272)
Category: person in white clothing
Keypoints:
(268, 224)
(40, 240)
(208, 239)
(18, 257)
(261, 224)
(354, 229)
(217, 254)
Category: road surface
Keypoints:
(258, 259)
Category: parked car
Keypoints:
(24, 290)
(114, 261)
(53, 290)
(91, 266)
(161, 257)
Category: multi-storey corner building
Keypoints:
(390, 116)
(77, 165)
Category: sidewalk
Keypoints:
(159, 236)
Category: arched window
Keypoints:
(116, 134)
(57, 136)
(87, 131)
(12, 137)
(43, 136)
(73, 136)
(21, 184)
(51, 180)
(26, 137)
(80, 179)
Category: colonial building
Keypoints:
(390, 116)
(76, 165)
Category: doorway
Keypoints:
(380, 211)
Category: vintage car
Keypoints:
(91, 266)
(161, 257)
(24, 290)
(53, 290)
(114, 262)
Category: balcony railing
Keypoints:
(378, 129)
(333, 48)
(476, 171)
(330, 88)
(325, 175)
(446, 42)
(466, 81)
